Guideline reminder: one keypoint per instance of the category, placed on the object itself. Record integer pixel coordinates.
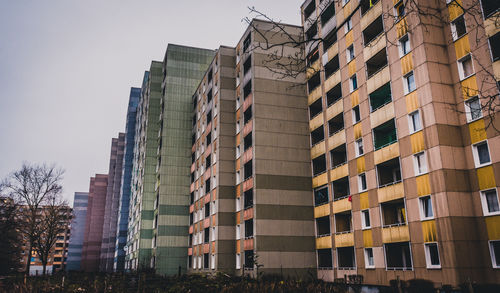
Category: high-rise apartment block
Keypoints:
(404, 165)
(75, 245)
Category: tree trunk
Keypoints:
(28, 263)
(44, 265)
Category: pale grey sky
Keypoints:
(66, 68)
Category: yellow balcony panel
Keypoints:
(377, 44)
(320, 180)
(322, 210)
(407, 63)
(469, 87)
(358, 130)
(314, 95)
(318, 150)
(324, 242)
(462, 46)
(391, 192)
(316, 122)
(417, 142)
(477, 131)
(423, 185)
(412, 102)
(496, 69)
(429, 231)
(395, 234)
(354, 98)
(332, 81)
(351, 67)
(349, 38)
(341, 205)
(379, 79)
(336, 139)
(333, 51)
(335, 109)
(382, 115)
(371, 15)
(364, 202)
(455, 9)
(402, 27)
(386, 153)
(367, 238)
(360, 164)
(493, 227)
(486, 177)
(339, 172)
(344, 239)
(312, 69)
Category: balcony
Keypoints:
(342, 205)
(385, 134)
(333, 95)
(395, 233)
(393, 213)
(366, 5)
(338, 156)
(340, 188)
(376, 63)
(332, 66)
(317, 135)
(321, 196)
(309, 14)
(324, 259)
(324, 242)
(380, 97)
(319, 165)
(390, 192)
(335, 124)
(344, 239)
(323, 226)
(373, 30)
(345, 258)
(313, 82)
(327, 17)
(398, 256)
(315, 108)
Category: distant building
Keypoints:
(75, 245)
(94, 223)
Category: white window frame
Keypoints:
(351, 83)
(238, 204)
(213, 208)
(238, 232)
(354, 121)
(357, 144)
(484, 202)
(238, 177)
(420, 163)
(344, 2)
(428, 255)
(348, 25)
(238, 127)
(362, 177)
(406, 85)
(238, 151)
(411, 120)
(238, 261)
(475, 154)
(404, 39)
(492, 254)
(367, 265)
(421, 199)
(460, 65)
(212, 261)
(453, 27)
(364, 226)
(468, 111)
(348, 53)
(212, 234)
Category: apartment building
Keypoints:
(404, 167)
(75, 245)
(94, 221)
(257, 217)
(182, 68)
(112, 201)
(126, 178)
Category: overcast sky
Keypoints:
(66, 68)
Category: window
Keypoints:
(489, 201)
(315, 108)
(399, 9)
(332, 66)
(249, 259)
(238, 261)
(481, 154)
(327, 14)
(338, 156)
(432, 256)
(238, 177)
(205, 260)
(206, 235)
(358, 144)
(356, 115)
(489, 7)
(348, 25)
(317, 135)
(238, 232)
(373, 30)
(249, 228)
(365, 219)
(346, 259)
(369, 260)
(353, 83)
(362, 182)
(414, 121)
(248, 169)
(458, 28)
(321, 196)
(409, 83)
(465, 68)
(325, 258)
(495, 253)
(473, 109)
(212, 262)
(495, 46)
(248, 195)
(238, 204)
(398, 256)
(247, 89)
(344, 2)
(404, 46)
(319, 165)
(238, 152)
(420, 163)
(350, 53)
(426, 211)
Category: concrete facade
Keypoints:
(75, 245)
(404, 171)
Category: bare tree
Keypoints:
(31, 187)
(409, 14)
(11, 238)
(54, 221)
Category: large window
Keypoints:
(495, 253)
(369, 259)
(481, 154)
(465, 68)
(489, 201)
(420, 163)
(415, 121)
(398, 256)
(388, 172)
(409, 83)
(323, 226)
(345, 258)
(426, 210)
(432, 256)
(473, 109)
(458, 28)
(325, 258)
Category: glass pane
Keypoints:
(483, 154)
(495, 247)
(433, 254)
(492, 201)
